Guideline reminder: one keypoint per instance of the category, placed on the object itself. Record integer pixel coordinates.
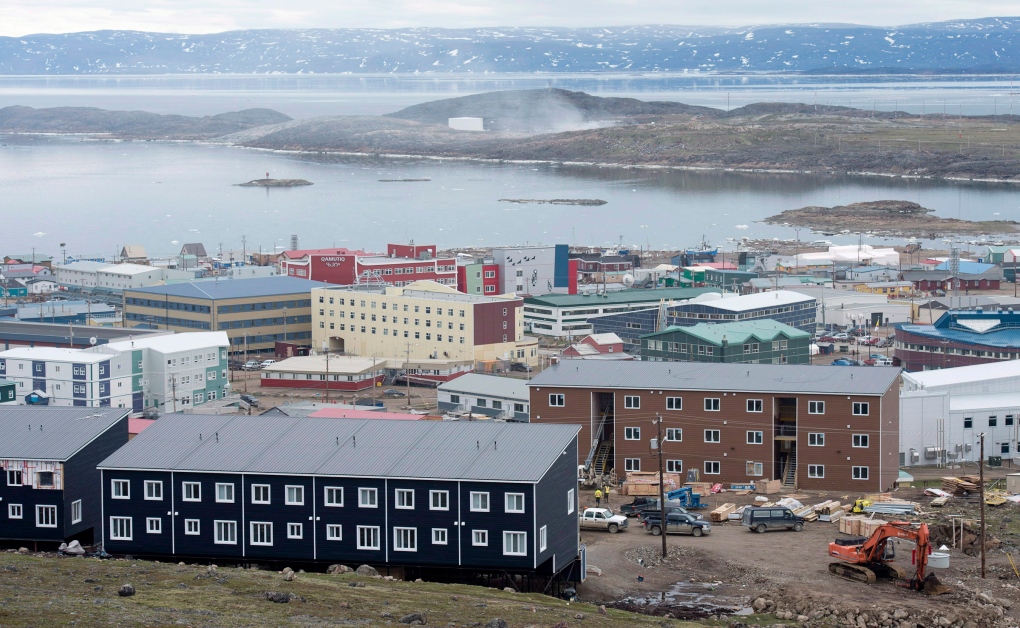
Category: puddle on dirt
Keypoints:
(686, 600)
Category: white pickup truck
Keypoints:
(602, 519)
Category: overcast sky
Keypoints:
(23, 17)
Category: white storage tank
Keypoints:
(467, 124)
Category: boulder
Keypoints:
(335, 570)
(413, 618)
(277, 597)
(602, 609)
(126, 590)
(497, 623)
(509, 590)
(759, 604)
(366, 570)
(289, 576)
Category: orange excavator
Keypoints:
(867, 559)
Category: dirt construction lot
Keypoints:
(784, 574)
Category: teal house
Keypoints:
(745, 342)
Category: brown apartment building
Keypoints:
(813, 427)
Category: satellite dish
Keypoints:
(93, 341)
(628, 280)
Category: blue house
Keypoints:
(424, 496)
(51, 487)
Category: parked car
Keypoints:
(678, 523)
(883, 361)
(602, 519)
(640, 503)
(843, 362)
(266, 363)
(841, 336)
(251, 365)
(761, 520)
(885, 342)
(656, 512)
(250, 400)
(521, 366)
(393, 392)
(863, 340)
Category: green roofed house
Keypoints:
(744, 342)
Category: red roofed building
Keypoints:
(136, 426)
(595, 344)
(400, 265)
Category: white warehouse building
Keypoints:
(944, 412)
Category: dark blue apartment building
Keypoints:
(50, 490)
(421, 495)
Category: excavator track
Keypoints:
(853, 572)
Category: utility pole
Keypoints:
(981, 474)
(173, 390)
(662, 497)
(407, 373)
(326, 349)
(245, 362)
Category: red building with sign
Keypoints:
(401, 265)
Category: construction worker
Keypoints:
(605, 492)
(598, 497)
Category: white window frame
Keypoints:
(334, 532)
(861, 408)
(713, 404)
(76, 512)
(195, 490)
(754, 469)
(717, 466)
(120, 489)
(543, 538)
(856, 473)
(755, 437)
(817, 437)
(192, 527)
(674, 403)
(517, 497)
(816, 471)
(632, 433)
(298, 498)
(119, 526)
(374, 532)
(482, 496)
(363, 493)
(755, 405)
(480, 538)
(861, 438)
(632, 402)
(713, 436)
(403, 499)
(15, 511)
(520, 539)
(674, 466)
(440, 536)
(674, 435)
(571, 501)
(256, 498)
(632, 464)
(557, 400)
(331, 492)
(153, 529)
(226, 487)
(816, 407)
(444, 498)
(409, 540)
(16, 473)
(223, 525)
(261, 530)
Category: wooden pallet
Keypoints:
(722, 513)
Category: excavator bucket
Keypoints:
(931, 585)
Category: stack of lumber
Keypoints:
(699, 488)
(859, 526)
(830, 510)
(959, 486)
(722, 513)
(808, 512)
(938, 502)
(646, 483)
(767, 487)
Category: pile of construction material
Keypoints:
(960, 486)
(859, 526)
(831, 510)
(722, 513)
(767, 487)
(646, 483)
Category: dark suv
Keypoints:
(763, 519)
(639, 503)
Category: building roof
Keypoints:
(972, 403)
(993, 328)
(58, 332)
(126, 269)
(738, 332)
(235, 288)
(302, 253)
(305, 408)
(54, 354)
(30, 258)
(51, 433)
(604, 339)
(488, 386)
(776, 378)
(133, 251)
(968, 268)
(973, 374)
(748, 302)
(55, 309)
(135, 426)
(172, 343)
(337, 364)
(84, 266)
(620, 297)
(277, 444)
(341, 413)
(194, 248)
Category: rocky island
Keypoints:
(274, 183)
(555, 201)
(891, 218)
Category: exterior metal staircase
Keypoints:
(790, 478)
(597, 444)
(601, 457)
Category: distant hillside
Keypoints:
(982, 45)
(132, 124)
(543, 110)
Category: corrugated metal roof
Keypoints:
(45, 433)
(619, 297)
(778, 378)
(235, 288)
(736, 332)
(313, 446)
(488, 385)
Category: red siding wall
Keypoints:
(489, 320)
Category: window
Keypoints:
(816, 407)
(632, 464)
(860, 440)
(712, 467)
(226, 531)
(556, 401)
(968, 422)
(405, 539)
(860, 473)
(713, 436)
(295, 495)
(543, 540)
(153, 490)
(570, 501)
(993, 421)
(674, 466)
(261, 533)
(335, 532)
(674, 434)
(76, 511)
(405, 499)
(368, 537)
(515, 543)
(121, 489)
(368, 498)
(816, 439)
(1004, 449)
(191, 526)
(860, 408)
(154, 525)
(120, 528)
(334, 496)
(754, 405)
(1009, 419)
(439, 536)
(816, 470)
(14, 478)
(14, 511)
(754, 438)
(632, 402)
(711, 404)
(439, 500)
(479, 538)
(674, 403)
(754, 468)
(514, 502)
(225, 493)
(479, 502)
(632, 433)
(192, 491)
